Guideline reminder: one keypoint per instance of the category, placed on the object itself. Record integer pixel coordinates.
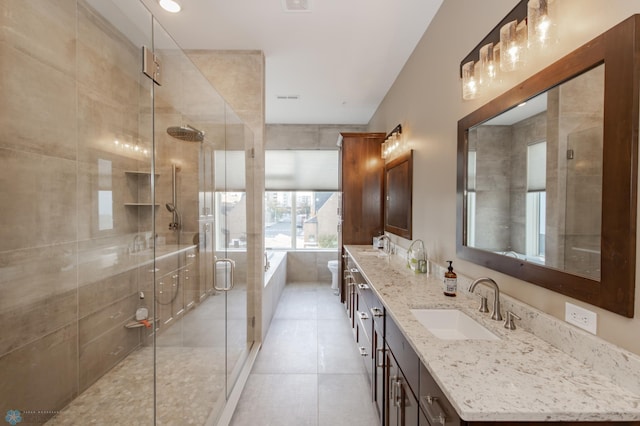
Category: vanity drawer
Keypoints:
(434, 405)
(404, 354)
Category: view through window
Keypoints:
(301, 219)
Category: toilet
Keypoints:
(333, 267)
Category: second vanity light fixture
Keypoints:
(528, 30)
(394, 144)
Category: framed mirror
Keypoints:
(547, 175)
(398, 187)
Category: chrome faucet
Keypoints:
(138, 243)
(495, 315)
(386, 246)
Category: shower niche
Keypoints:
(138, 183)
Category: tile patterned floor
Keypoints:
(309, 371)
(190, 369)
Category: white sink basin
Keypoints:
(452, 324)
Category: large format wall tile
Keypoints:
(39, 273)
(41, 375)
(45, 30)
(37, 106)
(103, 353)
(108, 63)
(35, 320)
(40, 200)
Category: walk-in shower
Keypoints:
(72, 349)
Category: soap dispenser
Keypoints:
(450, 281)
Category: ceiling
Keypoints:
(339, 58)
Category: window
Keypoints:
(231, 214)
(301, 219)
(301, 199)
(229, 200)
(105, 195)
(536, 199)
(471, 199)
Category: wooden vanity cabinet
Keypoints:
(402, 388)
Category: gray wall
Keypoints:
(426, 99)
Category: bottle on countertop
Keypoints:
(450, 281)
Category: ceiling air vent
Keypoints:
(296, 5)
(288, 97)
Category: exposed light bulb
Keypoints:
(170, 6)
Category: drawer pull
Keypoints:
(399, 394)
(363, 286)
(381, 352)
(377, 312)
(363, 315)
(363, 351)
(428, 402)
(392, 390)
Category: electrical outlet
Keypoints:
(581, 317)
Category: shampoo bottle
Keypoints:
(450, 281)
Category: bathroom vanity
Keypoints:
(517, 376)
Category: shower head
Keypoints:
(186, 133)
(170, 207)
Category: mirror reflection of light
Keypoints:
(170, 6)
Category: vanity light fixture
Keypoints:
(170, 6)
(394, 144)
(469, 82)
(529, 27)
(128, 148)
(513, 42)
(541, 16)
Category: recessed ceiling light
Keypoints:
(296, 5)
(170, 6)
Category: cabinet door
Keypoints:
(379, 359)
(391, 382)
(407, 404)
(422, 419)
(361, 181)
(401, 405)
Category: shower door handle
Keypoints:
(232, 264)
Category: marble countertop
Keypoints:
(517, 378)
(103, 262)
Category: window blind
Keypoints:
(537, 167)
(301, 170)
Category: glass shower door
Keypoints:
(231, 204)
(201, 337)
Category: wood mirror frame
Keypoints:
(398, 190)
(619, 49)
